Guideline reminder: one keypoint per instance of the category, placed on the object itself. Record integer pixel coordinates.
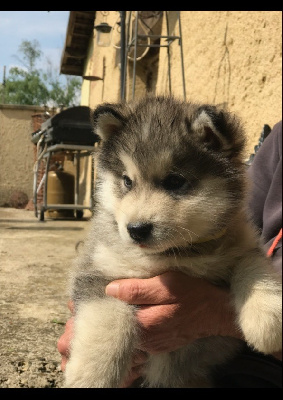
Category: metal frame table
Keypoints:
(45, 155)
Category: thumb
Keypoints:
(156, 290)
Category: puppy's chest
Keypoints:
(115, 262)
(120, 262)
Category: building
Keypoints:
(232, 58)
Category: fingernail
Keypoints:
(112, 289)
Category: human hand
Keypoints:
(176, 309)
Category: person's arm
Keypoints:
(265, 194)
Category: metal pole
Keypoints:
(123, 55)
(168, 54)
(45, 205)
(77, 162)
(182, 58)
(135, 55)
(4, 85)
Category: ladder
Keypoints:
(136, 40)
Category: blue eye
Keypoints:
(174, 182)
(127, 182)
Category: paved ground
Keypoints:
(35, 258)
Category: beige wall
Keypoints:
(16, 150)
(103, 63)
(233, 58)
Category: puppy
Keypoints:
(171, 195)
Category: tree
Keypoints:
(31, 52)
(59, 94)
(31, 86)
(23, 87)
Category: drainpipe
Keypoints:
(123, 55)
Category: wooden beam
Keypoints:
(74, 52)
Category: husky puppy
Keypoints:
(171, 196)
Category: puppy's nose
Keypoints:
(139, 231)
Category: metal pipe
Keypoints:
(135, 55)
(77, 179)
(123, 55)
(182, 58)
(168, 55)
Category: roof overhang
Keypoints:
(79, 32)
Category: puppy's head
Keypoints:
(171, 172)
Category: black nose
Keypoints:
(139, 231)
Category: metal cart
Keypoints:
(67, 133)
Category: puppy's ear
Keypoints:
(218, 130)
(107, 119)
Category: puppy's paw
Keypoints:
(261, 322)
(76, 375)
(80, 375)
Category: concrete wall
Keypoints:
(16, 150)
(233, 58)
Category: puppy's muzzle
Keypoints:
(140, 231)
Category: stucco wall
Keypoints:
(233, 58)
(102, 66)
(16, 150)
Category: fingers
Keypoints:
(64, 342)
(153, 316)
(140, 357)
(64, 361)
(160, 289)
(160, 326)
(135, 373)
(138, 362)
(71, 306)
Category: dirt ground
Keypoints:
(35, 258)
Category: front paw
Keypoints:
(104, 339)
(261, 322)
(78, 375)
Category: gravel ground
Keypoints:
(35, 258)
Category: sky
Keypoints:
(48, 28)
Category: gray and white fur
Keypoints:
(171, 195)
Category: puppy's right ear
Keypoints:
(107, 119)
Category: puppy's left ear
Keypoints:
(107, 120)
(218, 130)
